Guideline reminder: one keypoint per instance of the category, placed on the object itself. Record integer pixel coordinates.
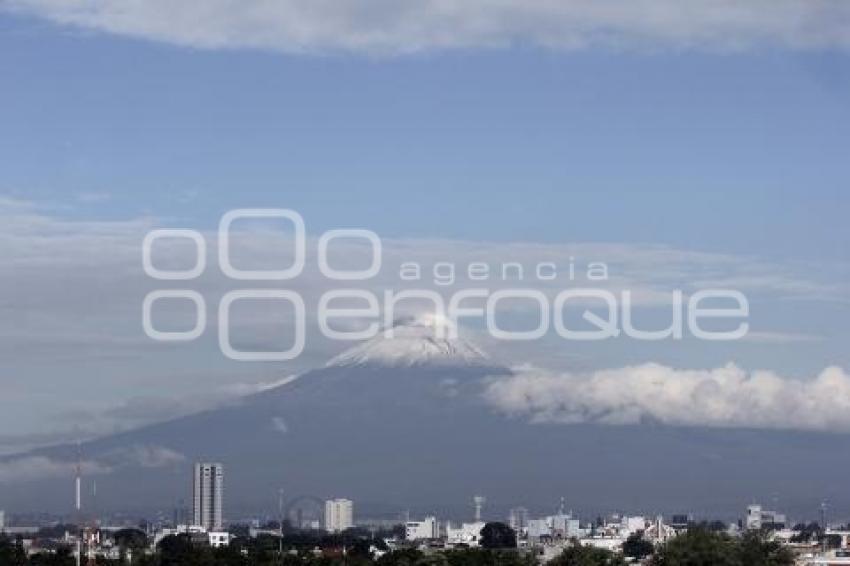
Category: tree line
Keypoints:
(699, 546)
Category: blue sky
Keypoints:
(735, 146)
(737, 152)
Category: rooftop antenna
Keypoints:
(78, 501)
(78, 480)
(280, 524)
(94, 501)
(479, 501)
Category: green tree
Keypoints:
(637, 547)
(587, 556)
(488, 557)
(698, 547)
(756, 549)
(498, 535)
(405, 557)
(61, 557)
(178, 550)
(133, 540)
(702, 547)
(12, 552)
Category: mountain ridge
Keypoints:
(423, 436)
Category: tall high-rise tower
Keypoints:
(208, 495)
(78, 504)
(339, 515)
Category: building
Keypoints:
(518, 520)
(180, 514)
(834, 558)
(2, 520)
(758, 518)
(564, 526)
(560, 526)
(219, 539)
(613, 544)
(680, 522)
(468, 534)
(428, 528)
(538, 528)
(339, 515)
(658, 532)
(632, 525)
(208, 496)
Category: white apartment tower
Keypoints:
(339, 515)
(208, 495)
(427, 528)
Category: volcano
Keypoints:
(401, 423)
(415, 341)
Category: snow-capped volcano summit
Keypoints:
(414, 341)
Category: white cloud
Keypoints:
(393, 27)
(250, 388)
(36, 467)
(279, 425)
(726, 396)
(137, 411)
(30, 468)
(12, 204)
(780, 337)
(147, 456)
